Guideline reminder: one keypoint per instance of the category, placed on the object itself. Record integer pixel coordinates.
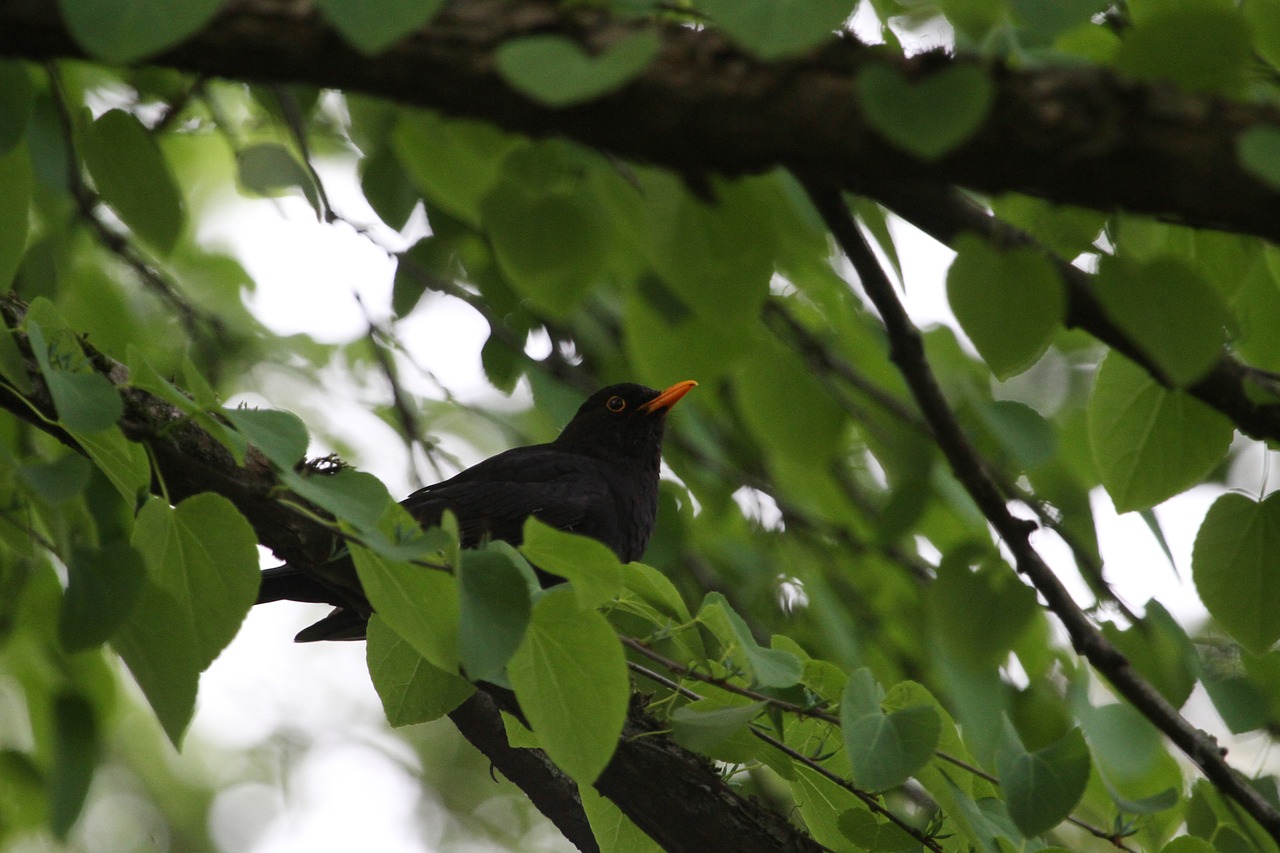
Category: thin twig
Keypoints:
(907, 352)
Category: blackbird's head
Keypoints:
(623, 422)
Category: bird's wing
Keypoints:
(495, 497)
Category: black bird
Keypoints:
(598, 478)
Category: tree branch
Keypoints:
(672, 794)
(907, 352)
(1074, 135)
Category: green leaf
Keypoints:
(417, 603)
(411, 689)
(1201, 49)
(769, 667)
(1024, 435)
(16, 98)
(76, 746)
(454, 162)
(280, 436)
(980, 614)
(204, 554)
(132, 176)
(155, 642)
(123, 31)
(785, 406)
(58, 481)
(928, 117)
(873, 833)
(1233, 565)
(104, 586)
(558, 72)
(1150, 443)
(355, 497)
(1009, 303)
(884, 749)
(374, 25)
(1041, 788)
(612, 829)
(15, 200)
(494, 610)
(1174, 316)
(772, 29)
(124, 462)
(1160, 650)
(550, 245)
(592, 568)
(269, 169)
(701, 725)
(1264, 22)
(1259, 151)
(85, 402)
(570, 677)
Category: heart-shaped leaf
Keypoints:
(928, 117)
(557, 72)
(1233, 565)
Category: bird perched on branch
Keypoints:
(598, 478)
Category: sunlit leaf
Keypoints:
(570, 677)
(411, 689)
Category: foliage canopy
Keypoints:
(876, 597)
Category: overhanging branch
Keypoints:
(1072, 135)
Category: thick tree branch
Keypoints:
(1073, 135)
(670, 793)
(907, 352)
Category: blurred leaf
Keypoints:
(374, 25)
(884, 749)
(1149, 443)
(1041, 788)
(388, 189)
(1009, 303)
(16, 97)
(979, 614)
(269, 169)
(1026, 437)
(122, 31)
(132, 176)
(593, 569)
(927, 117)
(784, 405)
(1201, 49)
(1169, 310)
(494, 608)
(1259, 151)
(1263, 17)
(1158, 648)
(454, 162)
(75, 757)
(1234, 568)
(570, 677)
(773, 29)
(556, 71)
(15, 200)
(411, 689)
(551, 246)
(56, 481)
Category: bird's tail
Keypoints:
(286, 583)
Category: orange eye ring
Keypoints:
(615, 404)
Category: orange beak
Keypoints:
(669, 397)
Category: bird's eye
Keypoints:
(616, 404)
